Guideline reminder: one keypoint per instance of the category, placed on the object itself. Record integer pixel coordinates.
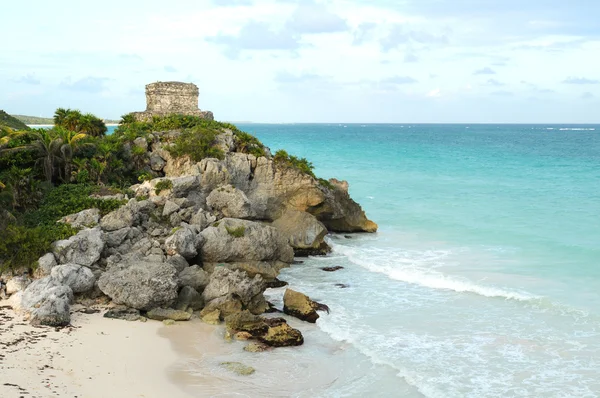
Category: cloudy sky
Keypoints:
(511, 61)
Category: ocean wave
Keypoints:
(577, 129)
(406, 270)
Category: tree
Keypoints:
(46, 146)
(60, 115)
(71, 141)
(74, 120)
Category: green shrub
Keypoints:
(21, 247)
(247, 143)
(144, 176)
(163, 185)
(236, 232)
(68, 199)
(326, 183)
(198, 143)
(282, 158)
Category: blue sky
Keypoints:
(310, 61)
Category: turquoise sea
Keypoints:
(484, 277)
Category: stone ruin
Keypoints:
(168, 98)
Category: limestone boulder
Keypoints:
(79, 278)
(202, 219)
(227, 201)
(170, 208)
(339, 212)
(123, 313)
(245, 321)
(84, 219)
(189, 298)
(116, 238)
(84, 248)
(185, 242)
(280, 334)
(223, 306)
(267, 269)
(45, 264)
(140, 284)
(17, 284)
(300, 306)
(53, 311)
(160, 314)
(157, 163)
(304, 232)
(225, 282)
(178, 261)
(123, 217)
(47, 302)
(194, 277)
(241, 241)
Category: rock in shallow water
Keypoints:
(238, 368)
(304, 232)
(160, 314)
(256, 347)
(237, 286)
(332, 269)
(301, 306)
(280, 334)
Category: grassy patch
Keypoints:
(325, 183)
(163, 185)
(69, 199)
(282, 158)
(236, 232)
(198, 143)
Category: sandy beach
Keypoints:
(95, 358)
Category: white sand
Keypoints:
(98, 358)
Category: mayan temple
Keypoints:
(167, 98)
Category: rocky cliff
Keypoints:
(207, 235)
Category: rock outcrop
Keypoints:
(84, 248)
(79, 278)
(301, 306)
(206, 236)
(228, 286)
(46, 302)
(274, 332)
(140, 284)
(247, 245)
(304, 232)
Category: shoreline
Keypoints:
(96, 357)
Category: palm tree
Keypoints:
(47, 147)
(71, 141)
(60, 115)
(72, 120)
(92, 125)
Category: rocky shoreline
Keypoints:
(200, 240)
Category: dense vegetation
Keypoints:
(46, 174)
(284, 159)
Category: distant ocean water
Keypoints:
(484, 277)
